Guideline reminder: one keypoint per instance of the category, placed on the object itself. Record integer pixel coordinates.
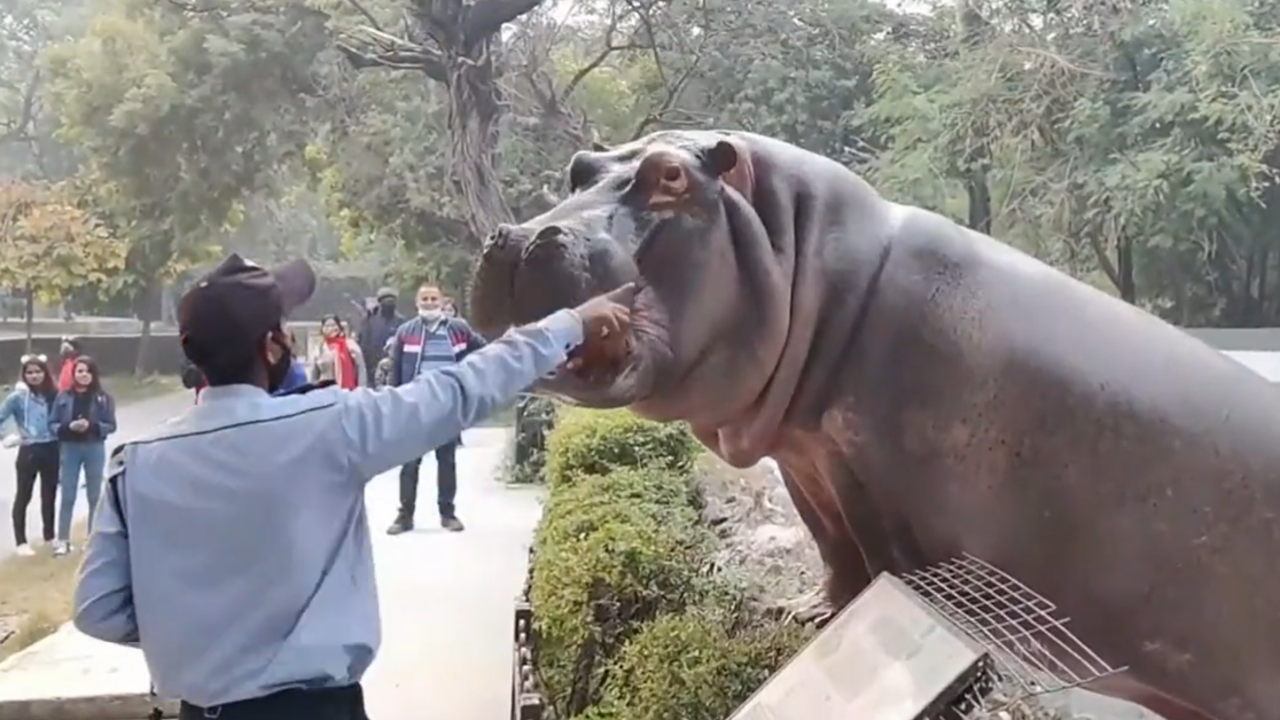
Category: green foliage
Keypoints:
(40, 227)
(611, 553)
(594, 442)
(176, 116)
(535, 416)
(697, 665)
(630, 621)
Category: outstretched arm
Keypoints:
(390, 428)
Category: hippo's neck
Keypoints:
(839, 259)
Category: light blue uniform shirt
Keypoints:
(244, 566)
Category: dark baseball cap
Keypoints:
(231, 309)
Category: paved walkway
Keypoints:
(133, 420)
(447, 598)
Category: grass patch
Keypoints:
(36, 593)
(128, 388)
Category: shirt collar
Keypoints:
(225, 393)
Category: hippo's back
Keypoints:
(1114, 463)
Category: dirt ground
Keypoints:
(766, 547)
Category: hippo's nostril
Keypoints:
(499, 239)
(548, 234)
(547, 244)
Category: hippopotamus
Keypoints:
(928, 391)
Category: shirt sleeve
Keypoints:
(104, 595)
(394, 426)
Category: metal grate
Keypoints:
(1030, 646)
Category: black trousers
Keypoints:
(345, 703)
(33, 460)
(446, 482)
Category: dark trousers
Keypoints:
(446, 482)
(33, 460)
(346, 703)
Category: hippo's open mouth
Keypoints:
(602, 382)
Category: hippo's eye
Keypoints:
(582, 172)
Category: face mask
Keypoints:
(430, 314)
(278, 371)
(388, 306)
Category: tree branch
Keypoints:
(358, 7)
(486, 17)
(19, 129)
(396, 54)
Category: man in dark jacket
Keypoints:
(424, 343)
(378, 327)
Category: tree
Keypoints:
(455, 44)
(178, 112)
(49, 247)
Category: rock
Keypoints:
(765, 544)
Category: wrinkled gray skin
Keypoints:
(929, 391)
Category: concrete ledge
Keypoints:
(70, 676)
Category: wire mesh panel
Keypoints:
(1030, 646)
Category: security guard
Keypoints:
(232, 544)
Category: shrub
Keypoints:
(594, 442)
(696, 665)
(610, 553)
(534, 418)
(630, 620)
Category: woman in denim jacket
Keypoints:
(82, 418)
(28, 406)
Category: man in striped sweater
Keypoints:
(429, 341)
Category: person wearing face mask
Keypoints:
(236, 533)
(428, 342)
(379, 326)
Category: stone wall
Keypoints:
(115, 354)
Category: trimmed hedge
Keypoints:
(696, 665)
(630, 620)
(593, 442)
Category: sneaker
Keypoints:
(61, 547)
(25, 550)
(452, 524)
(401, 525)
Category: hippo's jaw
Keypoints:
(632, 382)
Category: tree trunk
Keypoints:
(1124, 267)
(979, 190)
(29, 316)
(140, 367)
(475, 111)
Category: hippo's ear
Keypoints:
(730, 161)
(662, 178)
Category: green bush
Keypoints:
(534, 418)
(610, 553)
(631, 622)
(696, 665)
(594, 442)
